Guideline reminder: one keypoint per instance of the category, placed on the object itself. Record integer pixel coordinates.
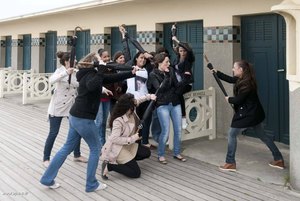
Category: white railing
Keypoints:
(36, 86)
(11, 81)
(201, 115)
(5, 68)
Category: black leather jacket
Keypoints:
(167, 91)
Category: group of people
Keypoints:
(126, 88)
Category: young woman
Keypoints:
(105, 100)
(138, 85)
(61, 103)
(82, 116)
(167, 105)
(183, 69)
(248, 113)
(121, 151)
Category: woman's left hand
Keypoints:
(226, 98)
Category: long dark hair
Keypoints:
(247, 81)
(136, 56)
(124, 103)
(190, 57)
(159, 58)
(63, 57)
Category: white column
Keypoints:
(290, 10)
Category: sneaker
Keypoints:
(184, 123)
(80, 159)
(277, 164)
(101, 187)
(46, 163)
(231, 167)
(54, 186)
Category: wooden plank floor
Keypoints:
(23, 132)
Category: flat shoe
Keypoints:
(164, 161)
(80, 159)
(103, 166)
(179, 158)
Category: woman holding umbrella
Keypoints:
(121, 151)
(249, 113)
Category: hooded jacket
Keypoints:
(89, 91)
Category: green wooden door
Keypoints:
(192, 33)
(116, 40)
(263, 45)
(26, 52)
(50, 52)
(8, 51)
(83, 44)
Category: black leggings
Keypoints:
(187, 88)
(131, 169)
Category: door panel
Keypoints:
(50, 52)
(283, 83)
(8, 51)
(83, 44)
(26, 52)
(263, 45)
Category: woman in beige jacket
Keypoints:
(60, 104)
(120, 152)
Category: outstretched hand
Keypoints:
(214, 70)
(152, 96)
(148, 55)
(107, 92)
(174, 38)
(135, 69)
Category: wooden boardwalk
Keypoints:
(23, 132)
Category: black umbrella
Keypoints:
(210, 66)
(148, 110)
(73, 50)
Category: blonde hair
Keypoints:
(88, 61)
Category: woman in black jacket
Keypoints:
(82, 116)
(183, 65)
(248, 113)
(163, 80)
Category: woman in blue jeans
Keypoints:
(163, 79)
(82, 116)
(248, 113)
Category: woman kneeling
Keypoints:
(120, 152)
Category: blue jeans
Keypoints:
(86, 129)
(155, 126)
(165, 113)
(101, 120)
(55, 123)
(259, 130)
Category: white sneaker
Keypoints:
(46, 163)
(101, 187)
(184, 123)
(54, 186)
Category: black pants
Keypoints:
(131, 169)
(187, 88)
